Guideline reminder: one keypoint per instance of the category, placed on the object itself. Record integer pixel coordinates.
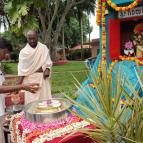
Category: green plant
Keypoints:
(71, 93)
(6, 68)
(134, 127)
(14, 55)
(116, 121)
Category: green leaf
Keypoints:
(8, 6)
(23, 10)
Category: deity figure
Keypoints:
(138, 40)
(129, 48)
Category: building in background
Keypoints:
(91, 50)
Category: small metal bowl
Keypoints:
(13, 109)
(46, 117)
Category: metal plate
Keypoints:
(33, 115)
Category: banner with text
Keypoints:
(138, 11)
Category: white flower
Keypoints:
(60, 132)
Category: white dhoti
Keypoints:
(30, 60)
(44, 91)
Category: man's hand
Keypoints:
(31, 87)
(46, 73)
(15, 98)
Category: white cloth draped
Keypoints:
(30, 60)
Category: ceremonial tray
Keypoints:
(45, 111)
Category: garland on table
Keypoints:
(60, 132)
(23, 132)
(14, 122)
(52, 125)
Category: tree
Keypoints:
(72, 31)
(4, 21)
(46, 16)
(88, 7)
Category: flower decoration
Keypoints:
(128, 45)
(98, 15)
(134, 59)
(100, 19)
(24, 131)
(123, 8)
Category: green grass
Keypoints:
(62, 76)
(13, 68)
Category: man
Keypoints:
(5, 89)
(5, 46)
(34, 66)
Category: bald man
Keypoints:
(35, 66)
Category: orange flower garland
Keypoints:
(123, 58)
(34, 134)
(98, 13)
(123, 8)
(103, 34)
(134, 59)
(13, 127)
(110, 70)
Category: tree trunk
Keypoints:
(58, 30)
(89, 31)
(63, 43)
(53, 52)
(81, 37)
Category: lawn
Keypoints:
(62, 76)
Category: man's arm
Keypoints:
(46, 73)
(20, 79)
(47, 67)
(31, 87)
(6, 89)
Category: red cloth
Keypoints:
(78, 138)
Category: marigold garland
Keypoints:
(98, 12)
(110, 70)
(123, 8)
(103, 35)
(134, 59)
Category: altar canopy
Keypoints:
(121, 36)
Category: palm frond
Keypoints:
(102, 105)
